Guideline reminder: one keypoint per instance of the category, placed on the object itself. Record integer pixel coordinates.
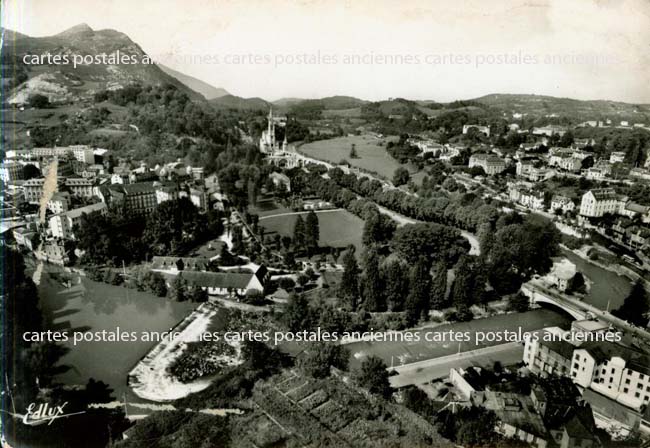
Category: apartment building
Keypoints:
(559, 202)
(80, 186)
(491, 164)
(595, 203)
(59, 202)
(62, 225)
(33, 190)
(140, 198)
(615, 371)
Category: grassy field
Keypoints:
(372, 156)
(338, 228)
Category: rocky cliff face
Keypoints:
(62, 76)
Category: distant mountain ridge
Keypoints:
(207, 90)
(239, 103)
(545, 105)
(63, 83)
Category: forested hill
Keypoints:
(549, 105)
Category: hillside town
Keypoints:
(55, 196)
(431, 262)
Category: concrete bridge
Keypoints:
(537, 292)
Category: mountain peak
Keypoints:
(82, 28)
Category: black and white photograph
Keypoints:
(325, 223)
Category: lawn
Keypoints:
(371, 156)
(338, 228)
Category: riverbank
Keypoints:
(615, 268)
(150, 378)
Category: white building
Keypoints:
(617, 372)
(483, 129)
(566, 162)
(59, 202)
(199, 197)
(595, 203)
(594, 173)
(80, 186)
(491, 164)
(166, 192)
(525, 166)
(549, 130)
(526, 197)
(280, 180)
(562, 203)
(616, 157)
(11, 171)
(82, 153)
(226, 283)
(62, 225)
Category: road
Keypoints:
(424, 371)
(397, 217)
(299, 213)
(475, 248)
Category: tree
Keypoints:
(435, 241)
(318, 358)
(519, 303)
(199, 295)
(373, 376)
(396, 277)
(463, 290)
(178, 290)
(349, 287)
(577, 284)
(635, 307)
(173, 226)
(373, 288)
(30, 172)
(353, 151)
(417, 301)
(520, 250)
(156, 284)
(566, 140)
(287, 283)
(377, 229)
(302, 280)
(439, 286)
(312, 231)
(297, 314)
(299, 233)
(38, 101)
(401, 176)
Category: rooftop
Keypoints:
(77, 212)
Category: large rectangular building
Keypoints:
(82, 153)
(62, 225)
(615, 371)
(597, 202)
(491, 164)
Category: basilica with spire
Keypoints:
(268, 143)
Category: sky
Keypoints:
(378, 49)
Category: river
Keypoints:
(93, 306)
(606, 286)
